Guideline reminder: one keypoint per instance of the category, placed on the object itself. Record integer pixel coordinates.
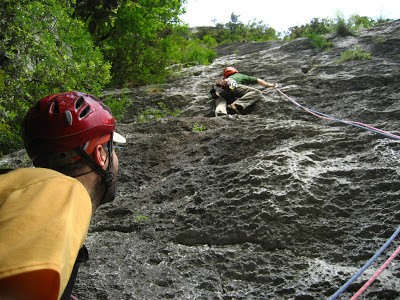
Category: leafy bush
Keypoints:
(338, 26)
(316, 27)
(198, 127)
(236, 31)
(199, 52)
(141, 219)
(118, 104)
(359, 22)
(153, 114)
(319, 42)
(186, 51)
(342, 28)
(354, 54)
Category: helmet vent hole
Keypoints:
(85, 112)
(54, 108)
(79, 102)
(68, 117)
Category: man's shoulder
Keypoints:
(37, 174)
(24, 177)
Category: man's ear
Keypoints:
(100, 155)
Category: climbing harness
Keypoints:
(328, 117)
(367, 264)
(390, 240)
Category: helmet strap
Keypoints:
(107, 175)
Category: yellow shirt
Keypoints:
(44, 220)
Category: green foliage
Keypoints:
(360, 22)
(154, 114)
(236, 31)
(186, 51)
(342, 28)
(8, 139)
(338, 26)
(319, 42)
(352, 25)
(55, 52)
(379, 39)
(141, 219)
(138, 44)
(354, 54)
(118, 104)
(198, 127)
(199, 52)
(44, 51)
(316, 27)
(96, 13)
(382, 20)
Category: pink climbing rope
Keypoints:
(328, 117)
(376, 274)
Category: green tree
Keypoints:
(135, 42)
(96, 12)
(186, 50)
(257, 31)
(43, 51)
(315, 27)
(236, 31)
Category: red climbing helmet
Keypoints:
(230, 71)
(62, 122)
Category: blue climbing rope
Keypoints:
(369, 128)
(368, 263)
(376, 274)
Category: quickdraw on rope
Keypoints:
(327, 117)
(367, 264)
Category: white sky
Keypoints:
(282, 14)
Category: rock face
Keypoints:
(275, 204)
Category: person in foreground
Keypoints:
(45, 211)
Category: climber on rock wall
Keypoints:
(231, 95)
